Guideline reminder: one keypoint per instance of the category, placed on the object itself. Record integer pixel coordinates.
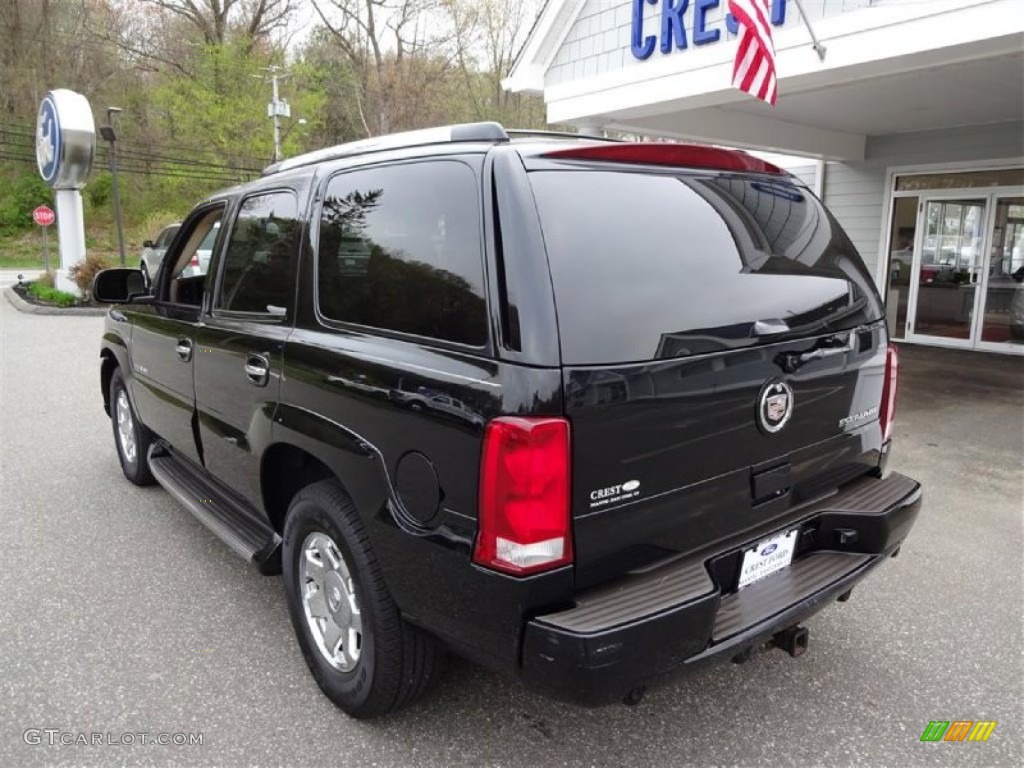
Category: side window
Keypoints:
(400, 249)
(257, 270)
(188, 265)
(167, 236)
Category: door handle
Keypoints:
(257, 370)
(184, 350)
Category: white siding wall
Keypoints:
(856, 193)
(599, 40)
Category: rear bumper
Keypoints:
(623, 635)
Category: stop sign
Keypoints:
(43, 216)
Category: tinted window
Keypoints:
(256, 276)
(400, 250)
(648, 266)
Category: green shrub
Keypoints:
(85, 271)
(98, 190)
(17, 201)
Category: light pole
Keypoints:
(107, 132)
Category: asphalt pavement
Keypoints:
(120, 614)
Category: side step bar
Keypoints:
(232, 522)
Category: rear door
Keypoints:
(241, 341)
(722, 355)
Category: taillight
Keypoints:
(524, 522)
(888, 411)
(194, 261)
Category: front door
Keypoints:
(1001, 316)
(163, 348)
(946, 270)
(967, 277)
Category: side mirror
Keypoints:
(148, 244)
(119, 286)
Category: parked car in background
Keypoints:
(153, 250)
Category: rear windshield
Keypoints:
(659, 265)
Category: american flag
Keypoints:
(754, 69)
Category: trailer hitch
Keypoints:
(793, 640)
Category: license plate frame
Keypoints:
(767, 557)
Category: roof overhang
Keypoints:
(889, 68)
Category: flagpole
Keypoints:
(818, 47)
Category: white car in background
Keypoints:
(153, 250)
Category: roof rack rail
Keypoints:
(486, 131)
(526, 133)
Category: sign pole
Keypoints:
(65, 147)
(43, 216)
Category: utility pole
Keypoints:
(107, 132)
(277, 108)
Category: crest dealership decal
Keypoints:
(614, 494)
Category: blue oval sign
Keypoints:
(48, 149)
(769, 549)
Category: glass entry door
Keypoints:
(967, 276)
(1002, 314)
(948, 269)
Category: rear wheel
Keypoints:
(131, 437)
(364, 657)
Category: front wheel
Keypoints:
(361, 652)
(131, 437)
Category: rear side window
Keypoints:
(655, 265)
(400, 250)
(166, 236)
(257, 270)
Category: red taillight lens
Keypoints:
(524, 496)
(194, 261)
(888, 411)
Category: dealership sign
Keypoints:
(679, 15)
(65, 139)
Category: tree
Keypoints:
(217, 19)
(488, 37)
(393, 57)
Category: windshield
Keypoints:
(659, 265)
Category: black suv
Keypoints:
(579, 410)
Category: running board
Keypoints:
(231, 521)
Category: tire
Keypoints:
(384, 665)
(133, 443)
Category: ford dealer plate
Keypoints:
(768, 557)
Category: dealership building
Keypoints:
(907, 119)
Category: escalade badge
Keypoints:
(774, 406)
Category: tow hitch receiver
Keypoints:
(792, 640)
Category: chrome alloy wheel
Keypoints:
(125, 426)
(329, 602)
